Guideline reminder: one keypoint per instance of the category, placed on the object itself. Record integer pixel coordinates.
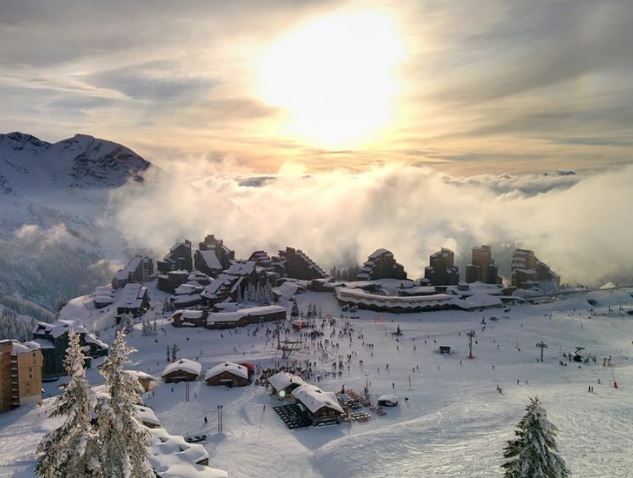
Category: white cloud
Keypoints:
(33, 234)
(582, 226)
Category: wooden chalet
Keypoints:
(320, 406)
(283, 383)
(227, 373)
(183, 370)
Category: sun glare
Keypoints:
(336, 78)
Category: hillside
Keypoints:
(53, 199)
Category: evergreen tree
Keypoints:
(294, 312)
(71, 449)
(534, 454)
(13, 326)
(124, 441)
(268, 293)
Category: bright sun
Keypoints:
(335, 78)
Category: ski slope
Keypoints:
(454, 423)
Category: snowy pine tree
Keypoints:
(124, 441)
(70, 450)
(268, 294)
(294, 312)
(261, 294)
(13, 326)
(534, 454)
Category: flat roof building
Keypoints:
(20, 374)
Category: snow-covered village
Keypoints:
(235, 366)
(316, 239)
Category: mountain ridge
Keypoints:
(81, 161)
(54, 203)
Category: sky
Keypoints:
(465, 88)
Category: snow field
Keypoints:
(454, 424)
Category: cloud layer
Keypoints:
(511, 86)
(580, 225)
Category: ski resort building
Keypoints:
(269, 269)
(299, 266)
(381, 265)
(53, 342)
(441, 269)
(134, 300)
(190, 318)
(229, 374)
(183, 370)
(147, 416)
(261, 259)
(170, 281)
(394, 303)
(283, 383)
(179, 258)
(320, 406)
(172, 457)
(529, 272)
(482, 267)
(103, 296)
(213, 256)
(230, 283)
(228, 320)
(20, 374)
(139, 269)
(246, 316)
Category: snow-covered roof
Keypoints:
(314, 398)
(184, 365)
(211, 259)
(130, 268)
(104, 290)
(184, 289)
(378, 252)
(388, 398)
(43, 344)
(91, 339)
(361, 297)
(21, 347)
(132, 295)
(241, 268)
(103, 299)
(172, 457)
(287, 289)
(231, 367)
(483, 300)
(238, 314)
(223, 280)
(147, 416)
(179, 273)
(139, 374)
(60, 327)
(190, 314)
(197, 275)
(281, 380)
(187, 299)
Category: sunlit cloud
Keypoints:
(580, 224)
(511, 86)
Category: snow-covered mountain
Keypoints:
(78, 162)
(53, 208)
